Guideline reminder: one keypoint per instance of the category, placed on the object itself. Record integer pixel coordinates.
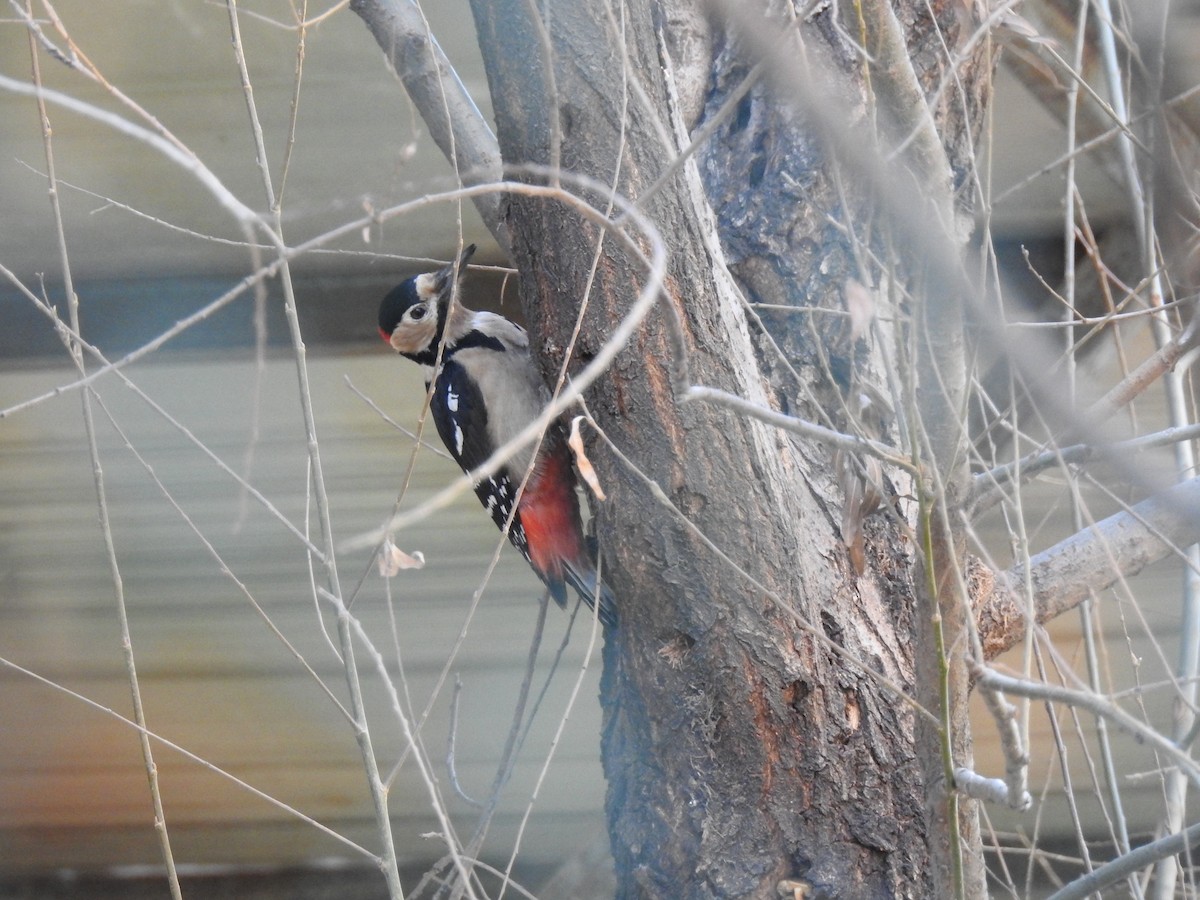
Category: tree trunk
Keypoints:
(759, 725)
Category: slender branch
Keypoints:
(836, 439)
(218, 559)
(354, 629)
(453, 119)
(1016, 760)
(107, 366)
(260, 147)
(903, 100)
(361, 729)
(1095, 704)
(189, 755)
(435, 449)
(1128, 864)
(1149, 372)
(987, 487)
(555, 741)
(451, 737)
(77, 357)
(517, 730)
(940, 372)
(240, 211)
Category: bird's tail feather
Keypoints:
(592, 590)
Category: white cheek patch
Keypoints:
(413, 337)
(426, 286)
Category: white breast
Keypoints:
(512, 391)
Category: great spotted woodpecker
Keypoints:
(486, 389)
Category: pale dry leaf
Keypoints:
(582, 463)
(392, 559)
(1014, 27)
(369, 209)
(860, 303)
(794, 889)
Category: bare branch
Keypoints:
(987, 488)
(1129, 863)
(1016, 759)
(1095, 704)
(1148, 373)
(224, 197)
(102, 503)
(836, 439)
(451, 769)
(991, 790)
(192, 757)
(1066, 574)
(454, 121)
(894, 79)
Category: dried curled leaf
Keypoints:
(794, 889)
(860, 303)
(582, 463)
(392, 559)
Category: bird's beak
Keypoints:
(445, 277)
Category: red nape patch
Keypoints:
(550, 516)
(383, 334)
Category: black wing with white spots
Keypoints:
(461, 417)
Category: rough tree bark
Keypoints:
(783, 705)
(756, 726)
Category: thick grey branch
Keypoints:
(1091, 560)
(453, 119)
(895, 80)
(1128, 864)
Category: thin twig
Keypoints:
(189, 755)
(174, 423)
(519, 728)
(1012, 744)
(454, 121)
(1095, 704)
(77, 357)
(219, 560)
(451, 735)
(435, 449)
(169, 150)
(554, 742)
(362, 733)
(355, 629)
(987, 487)
(835, 439)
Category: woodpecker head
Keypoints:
(412, 316)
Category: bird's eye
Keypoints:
(416, 313)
